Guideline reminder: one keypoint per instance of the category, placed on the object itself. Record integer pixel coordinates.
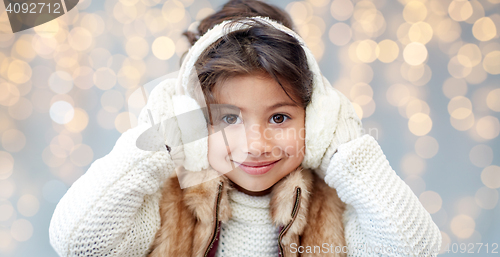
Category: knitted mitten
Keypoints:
(382, 210)
(349, 127)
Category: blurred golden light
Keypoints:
(9, 94)
(6, 165)
(460, 10)
(124, 121)
(431, 201)
(481, 155)
(412, 164)
(125, 14)
(52, 160)
(403, 33)
(13, 140)
(60, 82)
(467, 205)
(21, 230)
(28, 205)
(21, 110)
(203, 13)
(80, 39)
(5, 122)
(445, 242)
(448, 30)
(23, 48)
(420, 32)
(137, 48)
(426, 147)
(469, 55)
(369, 108)
(487, 198)
(319, 3)
(477, 12)
(104, 78)
(6, 211)
(462, 226)
(7, 188)
(99, 57)
(387, 51)
(48, 29)
(490, 176)
(65, 56)
(491, 62)
(340, 34)
(457, 70)
(420, 124)
(44, 46)
(488, 127)
(365, 51)
(484, 29)
(61, 112)
(358, 109)
(415, 53)
(81, 155)
(93, 23)
(19, 71)
(460, 107)
(341, 10)
(352, 52)
(420, 80)
(398, 94)
(173, 11)
(417, 106)
(79, 122)
(163, 48)
(493, 100)
(477, 75)
(412, 73)
(361, 73)
(414, 11)
(83, 77)
(463, 124)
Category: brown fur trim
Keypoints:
(283, 199)
(177, 224)
(325, 220)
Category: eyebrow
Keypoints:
(274, 106)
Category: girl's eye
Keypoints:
(279, 118)
(230, 119)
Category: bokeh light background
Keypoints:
(423, 75)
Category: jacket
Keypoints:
(307, 210)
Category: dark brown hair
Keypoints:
(259, 48)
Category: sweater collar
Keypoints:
(199, 198)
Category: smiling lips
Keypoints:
(257, 168)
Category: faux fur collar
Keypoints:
(199, 198)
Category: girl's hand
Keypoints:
(349, 127)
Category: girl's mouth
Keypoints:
(257, 170)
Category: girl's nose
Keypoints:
(258, 143)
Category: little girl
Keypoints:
(283, 168)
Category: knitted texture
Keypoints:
(381, 209)
(250, 231)
(349, 127)
(113, 209)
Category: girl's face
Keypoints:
(266, 128)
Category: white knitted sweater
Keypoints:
(250, 231)
(113, 209)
